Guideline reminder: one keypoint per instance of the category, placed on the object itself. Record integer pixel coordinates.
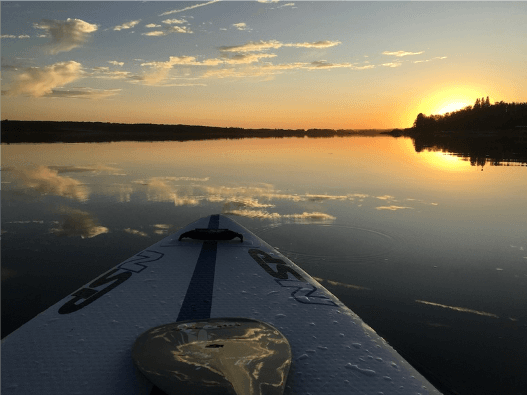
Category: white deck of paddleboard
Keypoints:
(88, 351)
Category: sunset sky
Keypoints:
(286, 64)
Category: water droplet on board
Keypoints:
(280, 315)
(356, 345)
(303, 356)
(366, 372)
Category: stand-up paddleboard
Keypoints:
(210, 283)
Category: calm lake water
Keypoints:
(430, 251)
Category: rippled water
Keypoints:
(429, 250)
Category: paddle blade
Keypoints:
(237, 356)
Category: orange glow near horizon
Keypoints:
(443, 99)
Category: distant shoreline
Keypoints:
(16, 132)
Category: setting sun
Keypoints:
(454, 106)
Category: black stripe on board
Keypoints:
(198, 299)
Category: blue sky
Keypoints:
(258, 64)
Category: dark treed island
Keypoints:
(100, 132)
(484, 133)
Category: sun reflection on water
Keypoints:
(445, 161)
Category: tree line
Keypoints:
(482, 116)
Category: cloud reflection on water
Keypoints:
(47, 181)
(78, 223)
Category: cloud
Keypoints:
(322, 64)
(78, 223)
(261, 214)
(188, 8)
(366, 67)
(173, 21)
(106, 73)
(135, 232)
(252, 46)
(154, 33)
(339, 284)
(392, 208)
(160, 191)
(13, 36)
(66, 35)
(116, 63)
(85, 93)
(246, 58)
(286, 5)
(316, 44)
(152, 25)
(47, 182)
(256, 46)
(127, 25)
(321, 198)
(460, 309)
(161, 69)
(401, 53)
(168, 30)
(391, 64)
(37, 82)
(238, 203)
(241, 26)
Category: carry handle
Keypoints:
(211, 234)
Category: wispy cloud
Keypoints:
(322, 64)
(84, 93)
(116, 63)
(135, 232)
(168, 30)
(255, 46)
(13, 36)
(127, 25)
(393, 208)
(460, 309)
(286, 5)
(241, 26)
(66, 35)
(188, 8)
(37, 82)
(174, 21)
(252, 46)
(316, 44)
(246, 58)
(152, 25)
(391, 64)
(401, 53)
(429, 60)
(261, 214)
(160, 70)
(106, 73)
(339, 284)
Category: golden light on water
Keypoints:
(445, 162)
